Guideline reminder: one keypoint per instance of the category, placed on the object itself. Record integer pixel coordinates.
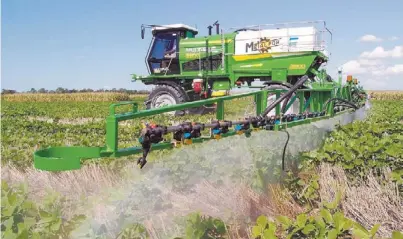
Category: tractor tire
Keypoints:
(163, 95)
(294, 109)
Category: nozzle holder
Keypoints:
(64, 158)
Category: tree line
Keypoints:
(65, 90)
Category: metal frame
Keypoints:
(69, 158)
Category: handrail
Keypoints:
(318, 43)
(279, 24)
(320, 30)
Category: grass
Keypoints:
(370, 202)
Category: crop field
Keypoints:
(348, 183)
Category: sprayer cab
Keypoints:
(164, 46)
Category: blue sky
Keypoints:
(96, 44)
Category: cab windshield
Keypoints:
(164, 49)
(164, 45)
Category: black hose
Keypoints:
(348, 104)
(342, 100)
(288, 93)
(345, 105)
(285, 147)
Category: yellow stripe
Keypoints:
(264, 55)
(253, 65)
(218, 93)
(219, 41)
(251, 57)
(184, 42)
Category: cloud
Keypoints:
(393, 38)
(371, 69)
(369, 62)
(370, 38)
(379, 68)
(380, 52)
(396, 69)
(361, 66)
(353, 67)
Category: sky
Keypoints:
(97, 44)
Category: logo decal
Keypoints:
(263, 46)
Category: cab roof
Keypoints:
(179, 26)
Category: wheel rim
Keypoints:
(163, 100)
(294, 108)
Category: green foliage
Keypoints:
(304, 187)
(322, 225)
(358, 147)
(397, 235)
(363, 145)
(133, 231)
(204, 227)
(22, 218)
(264, 229)
(27, 126)
(328, 223)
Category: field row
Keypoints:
(27, 126)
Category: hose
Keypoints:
(342, 100)
(347, 104)
(299, 83)
(285, 147)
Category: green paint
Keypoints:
(278, 106)
(64, 158)
(69, 158)
(201, 57)
(221, 85)
(220, 110)
(290, 102)
(279, 75)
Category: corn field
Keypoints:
(64, 97)
(116, 96)
(386, 95)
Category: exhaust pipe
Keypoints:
(209, 30)
(217, 27)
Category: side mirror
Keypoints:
(134, 77)
(142, 32)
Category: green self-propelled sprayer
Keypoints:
(192, 74)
